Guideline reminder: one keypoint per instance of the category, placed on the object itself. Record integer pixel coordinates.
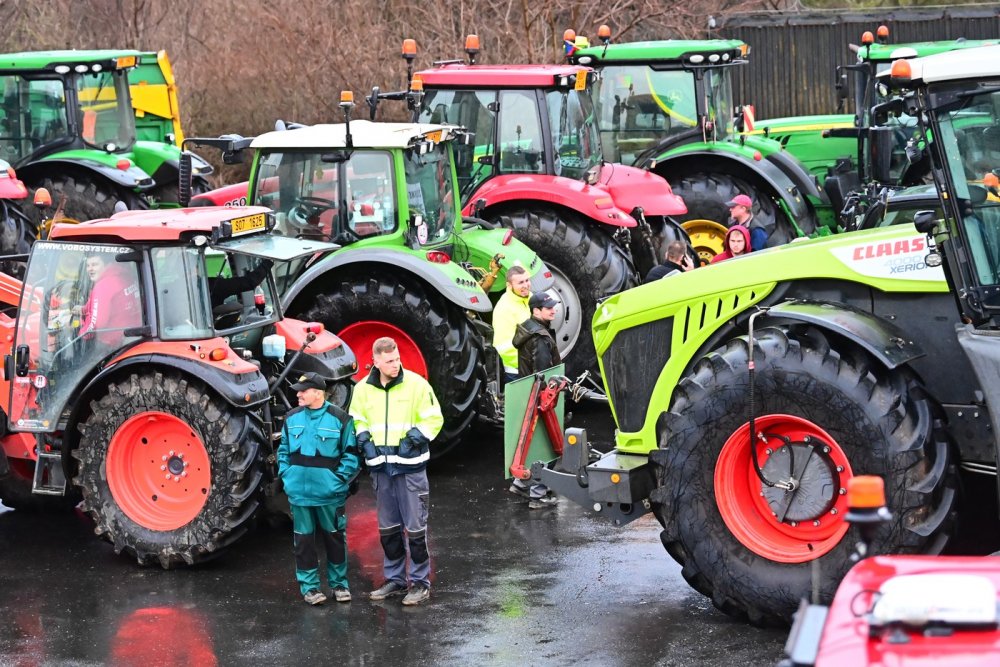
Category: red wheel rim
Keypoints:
(360, 337)
(159, 471)
(740, 495)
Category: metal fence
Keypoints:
(793, 54)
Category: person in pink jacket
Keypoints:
(737, 243)
(113, 304)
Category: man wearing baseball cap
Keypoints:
(536, 351)
(741, 213)
(317, 460)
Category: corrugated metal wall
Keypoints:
(793, 55)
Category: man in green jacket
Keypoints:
(317, 460)
(397, 416)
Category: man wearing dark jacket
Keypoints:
(536, 351)
(676, 260)
(534, 340)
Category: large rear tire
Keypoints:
(843, 415)
(87, 198)
(17, 233)
(449, 348)
(170, 472)
(588, 262)
(706, 194)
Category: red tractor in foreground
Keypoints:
(147, 371)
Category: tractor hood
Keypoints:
(631, 187)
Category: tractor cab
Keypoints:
(651, 95)
(197, 282)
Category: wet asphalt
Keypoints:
(511, 586)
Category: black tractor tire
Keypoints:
(451, 348)
(15, 491)
(664, 230)
(17, 233)
(588, 260)
(706, 194)
(88, 197)
(882, 421)
(233, 439)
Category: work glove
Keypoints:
(413, 444)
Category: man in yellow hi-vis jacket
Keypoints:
(396, 416)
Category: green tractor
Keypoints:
(410, 267)
(667, 106)
(833, 146)
(747, 395)
(67, 123)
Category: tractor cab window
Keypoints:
(637, 107)
(468, 109)
(429, 190)
(32, 115)
(180, 278)
(971, 137)
(576, 145)
(106, 117)
(80, 305)
(719, 101)
(328, 195)
(522, 150)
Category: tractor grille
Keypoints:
(631, 366)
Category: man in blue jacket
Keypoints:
(317, 460)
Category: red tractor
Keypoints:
(147, 371)
(535, 166)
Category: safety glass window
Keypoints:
(32, 114)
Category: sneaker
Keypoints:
(314, 597)
(418, 594)
(341, 595)
(544, 501)
(517, 489)
(389, 589)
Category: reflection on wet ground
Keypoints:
(511, 587)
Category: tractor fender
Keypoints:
(777, 180)
(230, 195)
(132, 178)
(631, 187)
(797, 174)
(235, 388)
(593, 202)
(879, 337)
(438, 278)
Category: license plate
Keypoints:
(248, 223)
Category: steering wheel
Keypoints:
(307, 208)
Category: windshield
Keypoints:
(638, 107)
(719, 102)
(106, 119)
(79, 306)
(328, 196)
(429, 190)
(468, 109)
(970, 138)
(32, 115)
(575, 139)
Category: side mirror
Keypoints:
(881, 141)
(925, 221)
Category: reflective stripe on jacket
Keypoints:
(510, 311)
(396, 423)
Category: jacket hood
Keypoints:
(746, 237)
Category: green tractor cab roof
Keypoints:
(364, 134)
(890, 52)
(50, 60)
(727, 50)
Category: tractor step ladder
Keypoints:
(49, 477)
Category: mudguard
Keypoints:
(631, 187)
(478, 246)
(593, 202)
(450, 280)
(230, 195)
(784, 188)
(132, 178)
(882, 339)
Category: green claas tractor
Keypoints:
(747, 394)
(535, 166)
(667, 106)
(834, 147)
(410, 267)
(147, 371)
(67, 123)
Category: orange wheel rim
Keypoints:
(765, 519)
(159, 471)
(360, 337)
